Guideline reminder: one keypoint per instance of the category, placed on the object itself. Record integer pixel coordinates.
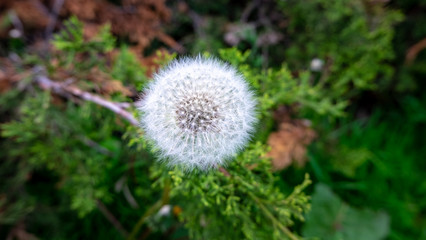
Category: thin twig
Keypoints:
(57, 5)
(268, 213)
(248, 10)
(265, 210)
(414, 50)
(19, 232)
(67, 90)
(96, 146)
(153, 209)
(111, 218)
(129, 197)
(16, 21)
(170, 42)
(224, 171)
(326, 72)
(197, 22)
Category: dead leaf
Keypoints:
(8, 75)
(139, 21)
(106, 84)
(288, 145)
(32, 13)
(4, 82)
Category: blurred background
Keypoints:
(341, 85)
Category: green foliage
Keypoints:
(208, 40)
(408, 33)
(64, 158)
(13, 176)
(72, 40)
(78, 143)
(240, 202)
(347, 160)
(380, 162)
(93, 155)
(128, 70)
(277, 87)
(39, 137)
(333, 219)
(354, 39)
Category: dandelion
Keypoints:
(316, 65)
(198, 112)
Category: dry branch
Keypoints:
(414, 50)
(66, 90)
(111, 218)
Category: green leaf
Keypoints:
(348, 160)
(333, 219)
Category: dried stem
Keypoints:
(111, 218)
(414, 50)
(66, 90)
(96, 146)
(224, 171)
(170, 42)
(57, 5)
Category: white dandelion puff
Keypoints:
(317, 65)
(199, 112)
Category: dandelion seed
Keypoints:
(204, 119)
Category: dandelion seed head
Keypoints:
(317, 65)
(199, 112)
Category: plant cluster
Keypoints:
(102, 161)
(333, 86)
